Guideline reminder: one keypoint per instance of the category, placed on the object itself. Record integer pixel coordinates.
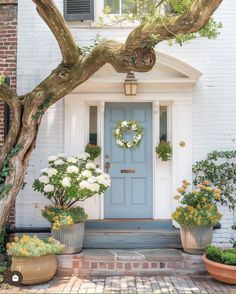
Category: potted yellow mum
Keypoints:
(196, 215)
(34, 258)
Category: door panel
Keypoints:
(130, 194)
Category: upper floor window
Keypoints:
(114, 6)
(79, 10)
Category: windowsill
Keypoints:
(96, 25)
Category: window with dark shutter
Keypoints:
(78, 9)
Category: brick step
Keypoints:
(132, 238)
(139, 262)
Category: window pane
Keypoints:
(114, 6)
(93, 124)
(163, 123)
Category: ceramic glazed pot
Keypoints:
(195, 239)
(219, 271)
(71, 236)
(35, 270)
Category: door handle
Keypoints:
(107, 166)
(128, 171)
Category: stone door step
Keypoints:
(132, 238)
(139, 262)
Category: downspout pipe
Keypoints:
(12, 229)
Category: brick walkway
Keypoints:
(128, 284)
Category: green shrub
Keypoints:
(225, 256)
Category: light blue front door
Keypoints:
(130, 194)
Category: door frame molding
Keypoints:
(180, 106)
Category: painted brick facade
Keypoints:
(214, 103)
(8, 48)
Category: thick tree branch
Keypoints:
(11, 98)
(166, 28)
(7, 94)
(53, 18)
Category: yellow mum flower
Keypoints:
(181, 190)
(203, 187)
(177, 197)
(187, 183)
(206, 183)
(208, 189)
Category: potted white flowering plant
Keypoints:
(65, 182)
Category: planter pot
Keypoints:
(195, 239)
(219, 271)
(35, 270)
(71, 236)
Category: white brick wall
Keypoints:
(214, 105)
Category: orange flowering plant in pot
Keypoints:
(196, 215)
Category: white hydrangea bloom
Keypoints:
(59, 162)
(117, 131)
(52, 172)
(52, 158)
(44, 170)
(72, 159)
(139, 137)
(98, 170)
(44, 179)
(84, 185)
(66, 182)
(48, 188)
(72, 169)
(84, 156)
(61, 155)
(129, 144)
(90, 165)
(104, 179)
(94, 187)
(124, 124)
(92, 180)
(86, 173)
(119, 142)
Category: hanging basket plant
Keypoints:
(164, 151)
(94, 150)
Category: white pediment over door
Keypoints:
(167, 72)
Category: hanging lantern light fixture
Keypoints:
(130, 84)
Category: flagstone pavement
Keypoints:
(128, 284)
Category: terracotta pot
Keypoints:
(221, 272)
(71, 236)
(195, 239)
(35, 270)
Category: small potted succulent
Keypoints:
(34, 258)
(221, 263)
(164, 151)
(196, 215)
(67, 181)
